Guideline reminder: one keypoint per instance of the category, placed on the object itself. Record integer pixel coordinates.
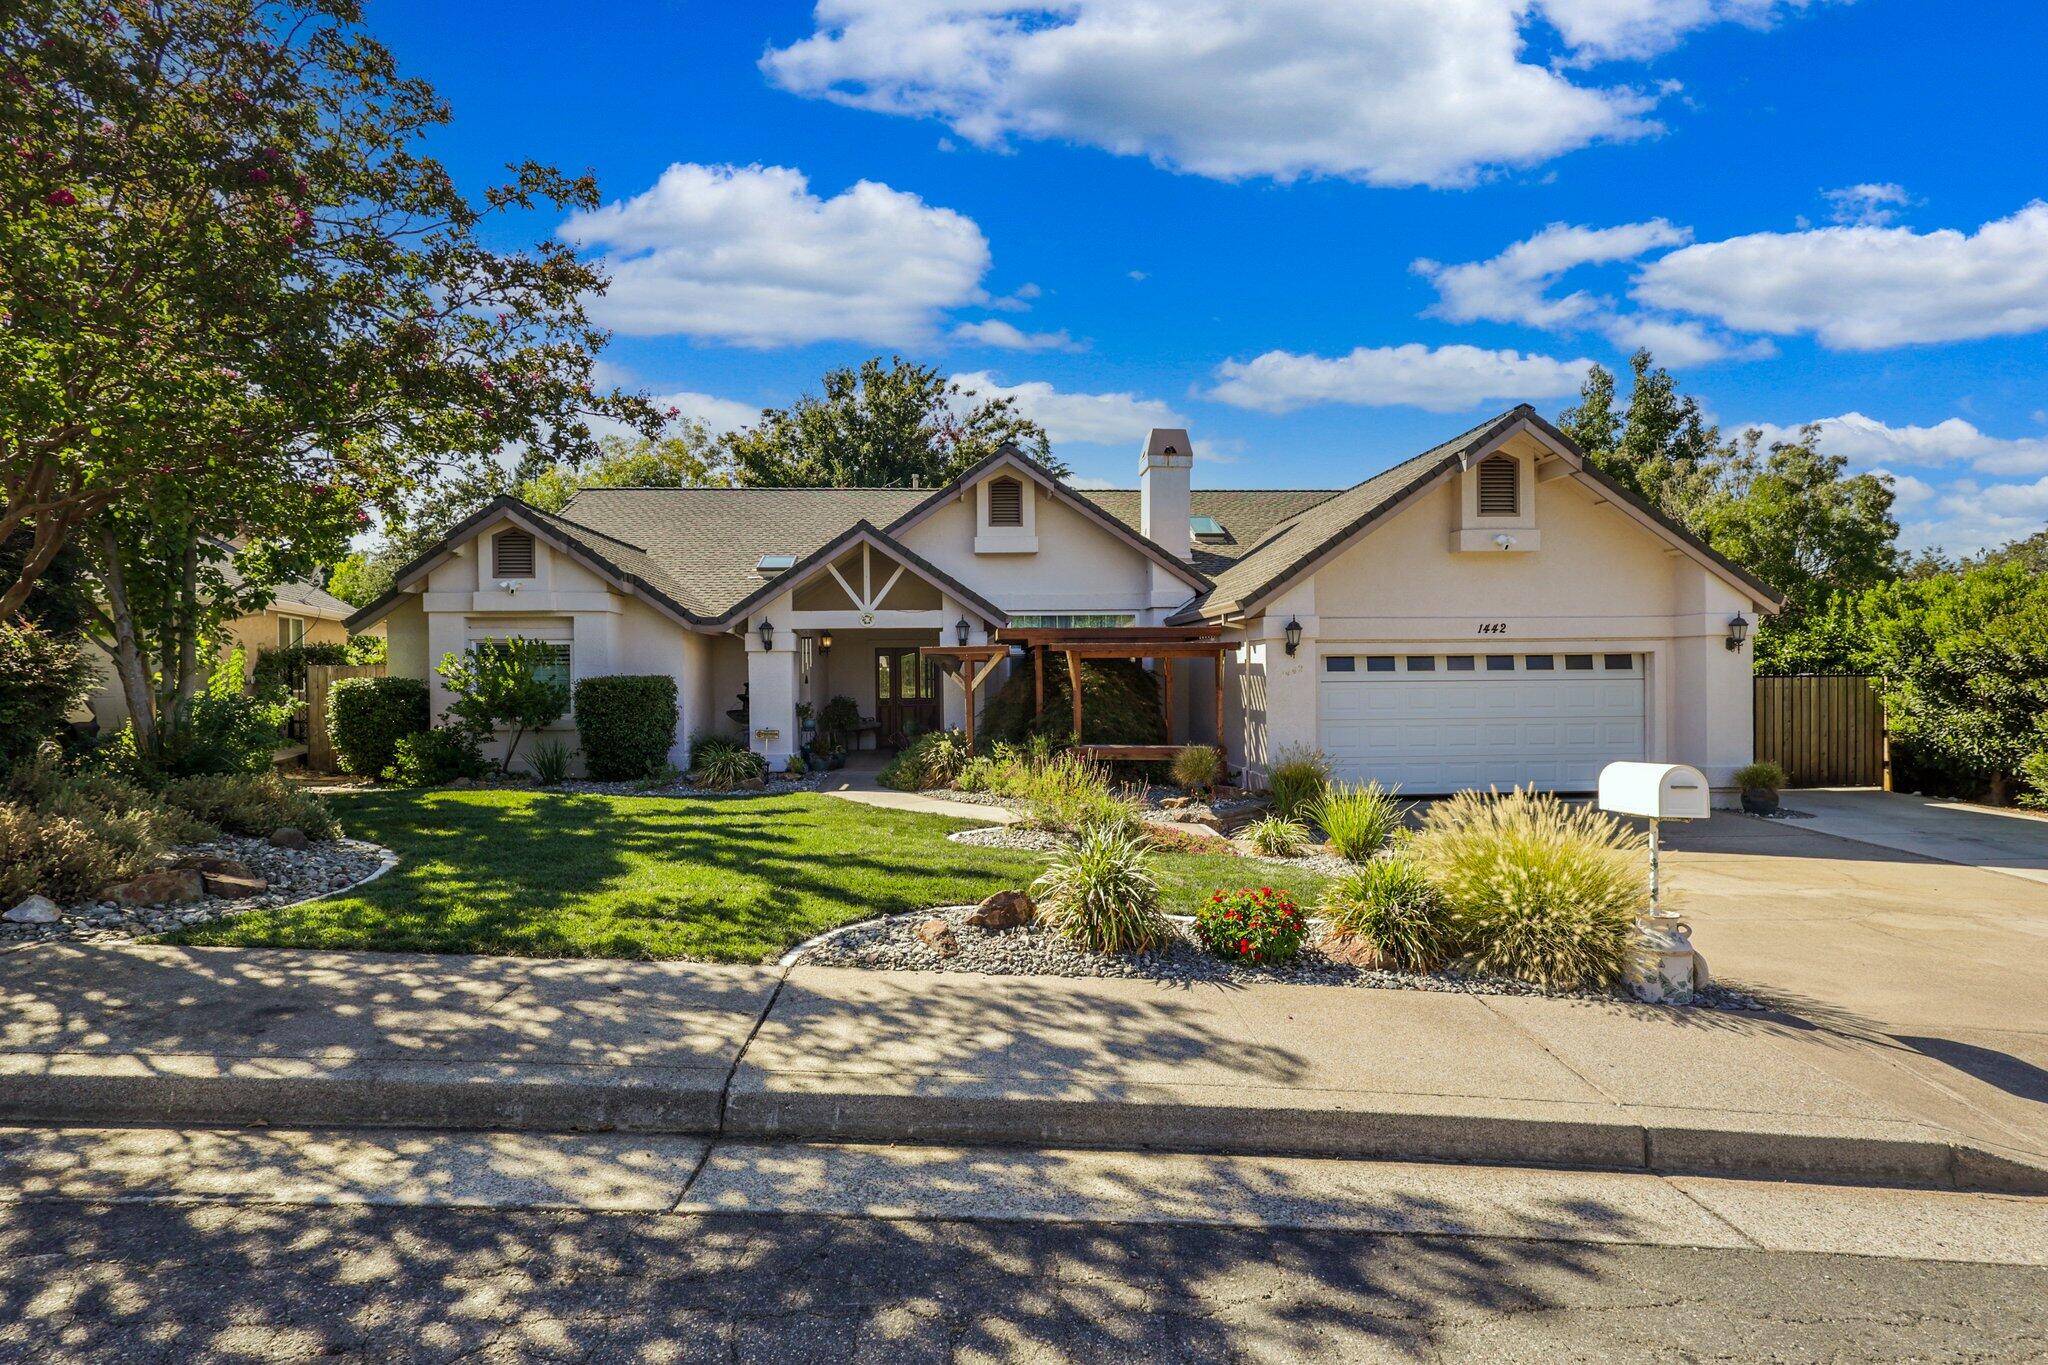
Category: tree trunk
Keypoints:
(127, 651)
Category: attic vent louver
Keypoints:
(512, 555)
(1499, 487)
(1005, 503)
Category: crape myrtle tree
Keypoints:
(239, 308)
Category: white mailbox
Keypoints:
(1660, 791)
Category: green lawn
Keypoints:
(537, 874)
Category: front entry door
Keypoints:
(906, 692)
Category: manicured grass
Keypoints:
(537, 874)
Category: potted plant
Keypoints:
(1760, 783)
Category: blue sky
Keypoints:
(1321, 236)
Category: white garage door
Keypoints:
(1445, 722)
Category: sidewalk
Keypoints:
(124, 1034)
(857, 782)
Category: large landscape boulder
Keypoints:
(165, 886)
(285, 836)
(34, 910)
(1004, 910)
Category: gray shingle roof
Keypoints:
(1249, 515)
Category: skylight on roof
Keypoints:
(773, 564)
(1207, 528)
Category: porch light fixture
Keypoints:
(825, 642)
(1738, 631)
(767, 635)
(960, 630)
(1293, 635)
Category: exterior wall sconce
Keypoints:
(1293, 635)
(825, 642)
(1738, 631)
(767, 635)
(960, 630)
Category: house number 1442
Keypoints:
(1493, 627)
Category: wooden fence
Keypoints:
(1823, 729)
(319, 678)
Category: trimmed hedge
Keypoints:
(1119, 705)
(366, 717)
(627, 723)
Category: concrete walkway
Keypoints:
(127, 1034)
(2008, 841)
(857, 782)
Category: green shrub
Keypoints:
(1197, 767)
(723, 768)
(2034, 773)
(47, 784)
(1277, 838)
(43, 678)
(979, 774)
(1101, 893)
(838, 721)
(434, 758)
(1535, 889)
(1391, 904)
(1357, 820)
(930, 760)
(366, 717)
(67, 858)
(1262, 927)
(1761, 777)
(1296, 779)
(549, 762)
(712, 742)
(505, 683)
(1119, 705)
(285, 666)
(1069, 793)
(626, 723)
(224, 729)
(252, 804)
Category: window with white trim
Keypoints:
(1072, 620)
(512, 554)
(291, 631)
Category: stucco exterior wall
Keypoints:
(1078, 566)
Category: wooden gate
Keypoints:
(1823, 729)
(319, 678)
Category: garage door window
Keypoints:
(1339, 663)
(1422, 663)
(1539, 662)
(1458, 663)
(1578, 663)
(1500, 663)
(1621, 663)
(1379, 663)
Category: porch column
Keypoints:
(771, 696)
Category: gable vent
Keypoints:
(1006, 503)
(512, 555)
(1499, 491)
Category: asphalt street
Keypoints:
(186, 1281)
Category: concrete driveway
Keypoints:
(1943, 964)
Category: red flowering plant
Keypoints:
(1255, 925)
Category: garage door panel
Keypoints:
(1442, 731)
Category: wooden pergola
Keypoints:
(1162, 643)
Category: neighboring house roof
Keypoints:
(293, 596)
(1297, 545)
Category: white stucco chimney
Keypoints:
(1163, 497)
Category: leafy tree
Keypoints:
(1661, 447)
(686, 457)
(44, 677)
(899, 425)
(1963, 659)
(501, 683)
(360, 577)
(243, 307)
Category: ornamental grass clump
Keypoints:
(1101, 893)
(931, 760)
(1389, 903)
(1535, 889)
(1068, 794)
(1297, 779)
(1358, 821)
(1273, 837)
(1260, 927)
(1197, 767)
(721, 766)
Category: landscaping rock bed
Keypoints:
(1009, 836)
(903, 943)
(224, 872)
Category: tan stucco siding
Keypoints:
(1079, 566)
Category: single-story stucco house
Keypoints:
(1490, 612)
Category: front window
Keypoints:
(291, 631)
(1073, 620)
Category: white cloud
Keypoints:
(1865, 288)
(1395, 92)
(720, 414)
(748, 255)
(1515, 287)
(1086, 418)
(1867, 205)
(1439, 379)
(1967, 517)
(1869, 443)
(1002, 335)
(1643, 28)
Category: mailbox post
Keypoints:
(1657, 792)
